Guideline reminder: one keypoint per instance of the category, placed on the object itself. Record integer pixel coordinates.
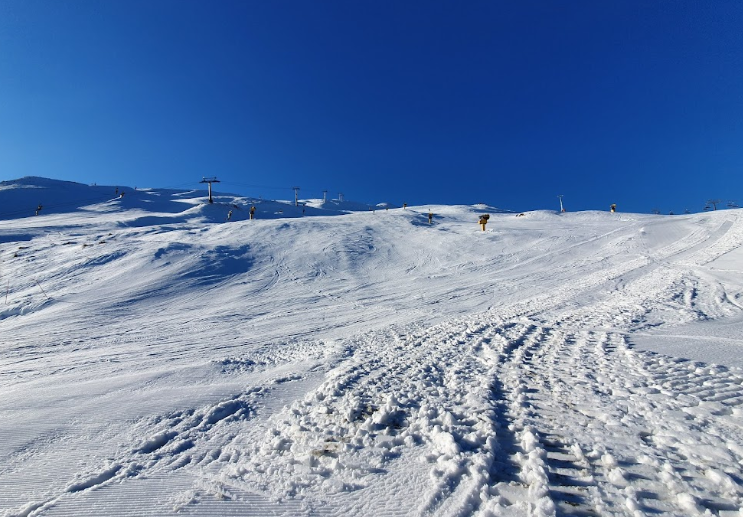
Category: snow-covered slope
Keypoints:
(158, 358)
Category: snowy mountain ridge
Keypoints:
(21, 197)
(158, 358)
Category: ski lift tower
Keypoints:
(210, 181)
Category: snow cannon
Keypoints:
(484, 220)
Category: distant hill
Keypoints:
(20, 198)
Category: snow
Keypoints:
(328, 359)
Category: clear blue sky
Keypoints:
(638, 103)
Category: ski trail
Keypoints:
(425, 397)
(536, 409)
(633, 284)
(577, 402)
(189, 440)
(511, 418)
(174, 442)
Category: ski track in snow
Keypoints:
(533, 405)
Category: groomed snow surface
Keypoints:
(158, 359)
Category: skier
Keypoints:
(229, 215)
(38, 209)
(430, 217)
(252, 212)
(484, 220)
(613, 207)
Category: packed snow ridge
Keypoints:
(162, 355)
